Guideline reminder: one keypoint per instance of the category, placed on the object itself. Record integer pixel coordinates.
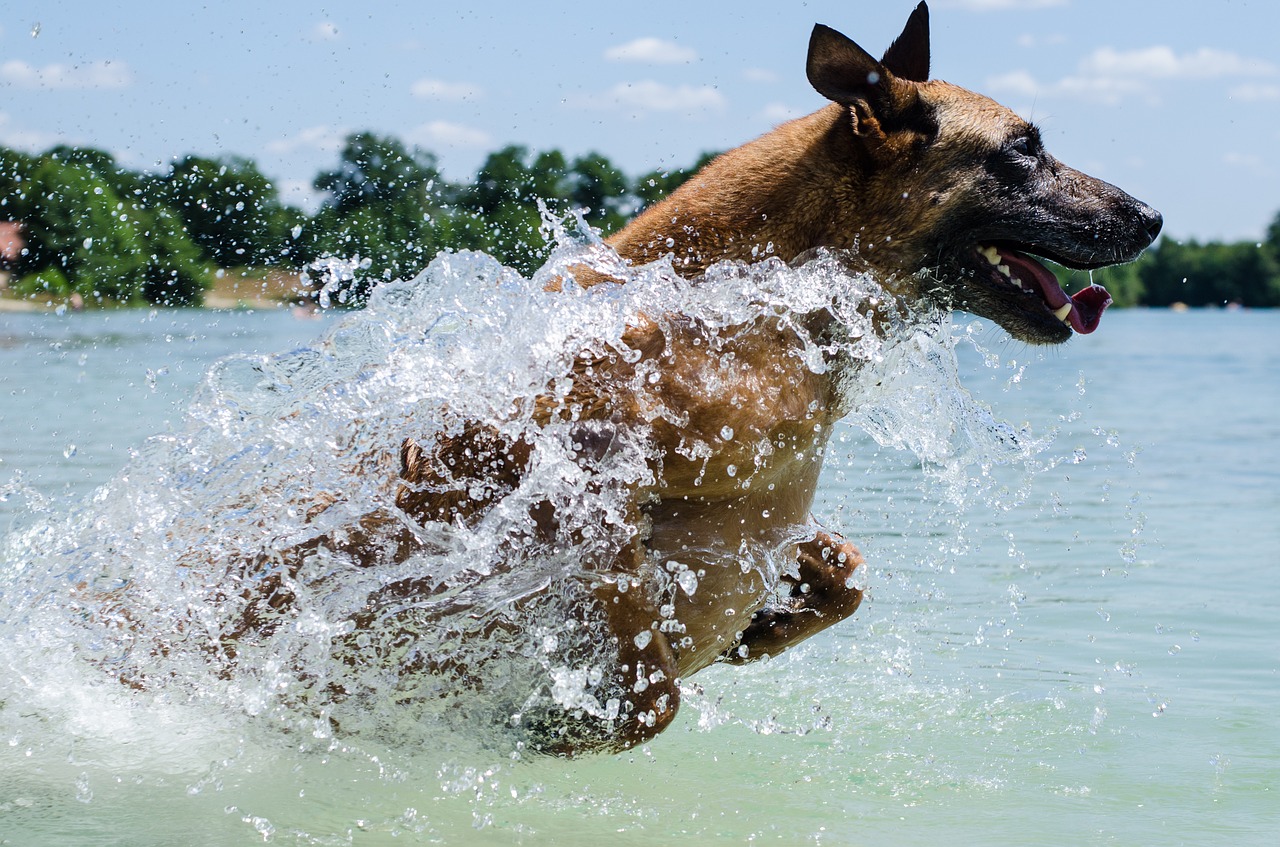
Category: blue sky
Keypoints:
(1176, 102)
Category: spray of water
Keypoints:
(195, 579)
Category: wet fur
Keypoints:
(901, 174)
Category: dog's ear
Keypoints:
(908, 55)
(842, 71)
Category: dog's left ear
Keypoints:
(908, 55)
(842, 71)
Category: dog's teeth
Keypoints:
(991, 254)
(1003, 269)
(1061, 314)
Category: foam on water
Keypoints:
(145, 581)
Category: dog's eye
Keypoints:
(1023, 147)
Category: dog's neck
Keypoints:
(784, 194)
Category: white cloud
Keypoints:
(1031, 40)
(1162, 62)
(440, 90)
(1255, 92)
(1249, 162)
(1001, 5)
(100, 75)
(1111, 76)
(1015, 82)
(324, 138)
(449, 135)
(300, 192)
(325, 31)
(649, 96)
(31, 140)
(651, 51)
(759, 75)
(776, 113)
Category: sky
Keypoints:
(1176, 102)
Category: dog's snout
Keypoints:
(1152, 221)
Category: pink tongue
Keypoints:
(1087, 305)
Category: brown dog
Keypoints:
(901, 174)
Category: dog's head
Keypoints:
(961, 186)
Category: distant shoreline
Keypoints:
(237, 289)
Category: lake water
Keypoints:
(1083, 653)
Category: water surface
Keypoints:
(1076, 650)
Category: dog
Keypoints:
(943, 193)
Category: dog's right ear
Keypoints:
(908, 55)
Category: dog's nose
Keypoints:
(1153, 221)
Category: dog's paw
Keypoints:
(828, 581)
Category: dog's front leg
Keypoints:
(823, 594)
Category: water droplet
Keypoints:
(69, 451)
(726, 433)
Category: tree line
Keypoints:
(111, 234)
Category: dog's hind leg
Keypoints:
(640, 691)
(823, 594)
(637, 694)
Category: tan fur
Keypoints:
(882, 174)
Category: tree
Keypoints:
(1272, 243)
(174, 273)
(383, 204)
(78, 224)
(1213, 274)
(86, 235)
(596, 185)
(501, 206)
(230, 210)
(653, 186)
(1123, 282)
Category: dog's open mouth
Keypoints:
(1082, 311)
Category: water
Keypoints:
(1069, 635)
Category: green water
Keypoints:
(1096, 665)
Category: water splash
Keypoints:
(172, 577)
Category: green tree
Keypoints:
(653, 186)
(77, 223)
(596, 185)
(174, 273)
(1214, 274)
(230, 209)
(500, 210)
(89, 231)
(1272, 243)
(1123, 282)
(385, 202)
